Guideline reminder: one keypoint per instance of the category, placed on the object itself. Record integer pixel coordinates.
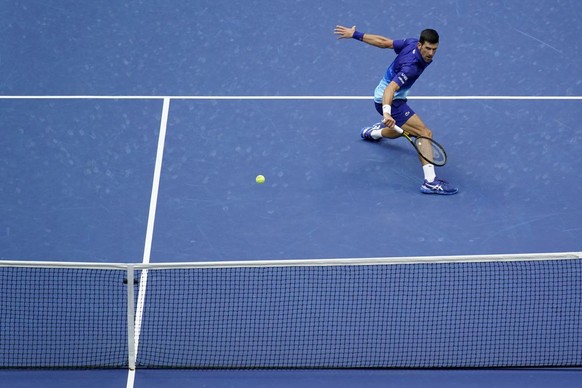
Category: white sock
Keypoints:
(429, 173)
(376, 134)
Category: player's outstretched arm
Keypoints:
(374, 40)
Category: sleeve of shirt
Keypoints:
(405, 76)
(398, 45)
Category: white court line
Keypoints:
(149, 232)
(285, 97)
(156, 181)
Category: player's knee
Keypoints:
(426, 132)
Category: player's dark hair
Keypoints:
(429, 36)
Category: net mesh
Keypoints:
(62, 318)
(424, 315)
(418, 315)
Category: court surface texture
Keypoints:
(100, 100)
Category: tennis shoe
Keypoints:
(438, 186)
(366, 132)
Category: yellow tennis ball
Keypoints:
(260, 179)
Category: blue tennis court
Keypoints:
(104, 105)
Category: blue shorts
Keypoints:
(401, 112)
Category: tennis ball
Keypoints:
(260, 179)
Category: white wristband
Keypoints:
(387, 109)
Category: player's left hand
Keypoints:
(344, 32)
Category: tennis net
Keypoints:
(434, 312)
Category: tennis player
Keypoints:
(390, 97)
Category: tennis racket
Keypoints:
(428, 149)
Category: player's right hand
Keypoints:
(389, 121)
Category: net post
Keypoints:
(130, 318)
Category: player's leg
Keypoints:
(416, 127)
(409, 121)
(378, 131)
(431, 185)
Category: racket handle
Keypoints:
(398, 129)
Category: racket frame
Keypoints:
(437, 144)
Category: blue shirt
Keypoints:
(404, 70)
